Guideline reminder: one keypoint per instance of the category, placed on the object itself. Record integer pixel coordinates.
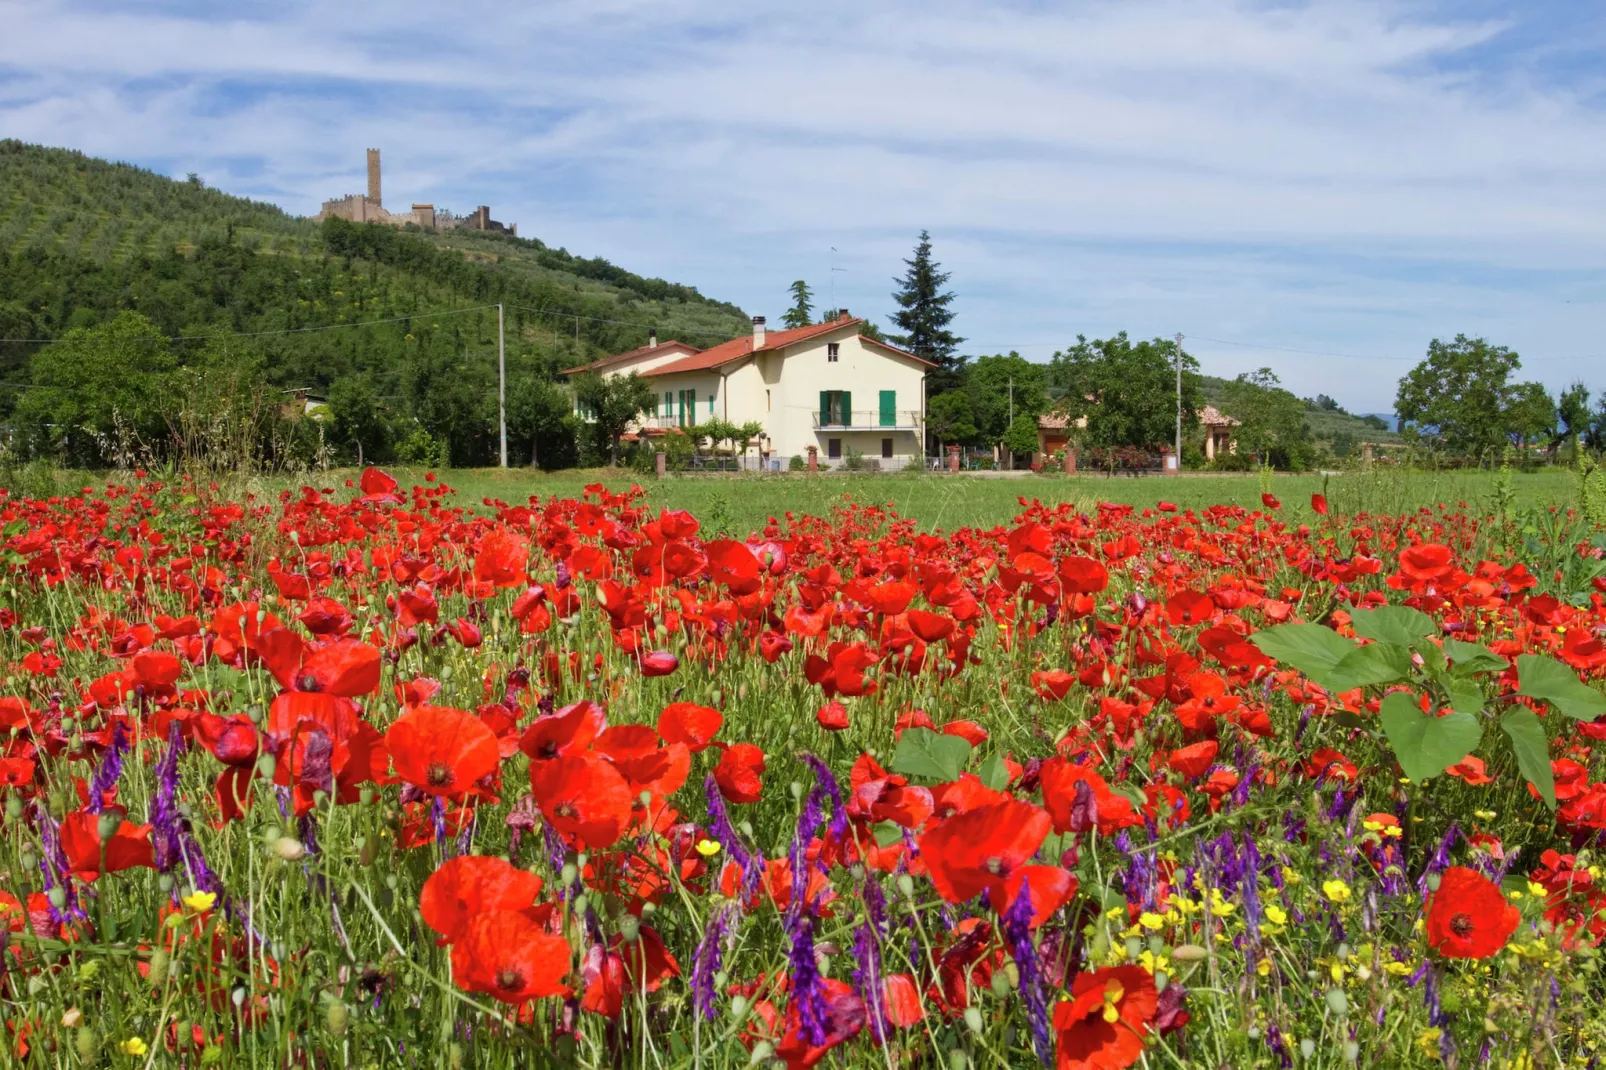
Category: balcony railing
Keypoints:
(869, 420)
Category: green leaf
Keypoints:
(1376, 663)
(1311, 648)
(924, 753)
(1425, 745)
(1400, 625)
(994, 773)
(888, 833)
(1528, 740)
(1548, 679)
(1465, 696)
(1473, 657)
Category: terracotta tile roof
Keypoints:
(608, 362)
(737, 348)
(1053, 421)
(1211, 416)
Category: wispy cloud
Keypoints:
(1336, 175)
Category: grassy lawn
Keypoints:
(951, 502)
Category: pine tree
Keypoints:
(923, 315)
(801, 312)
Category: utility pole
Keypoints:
(501, 382)
(1179, 403)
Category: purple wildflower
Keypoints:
(719, 826)
(710, 955)
(167, 825)
(808, 990)
(111, 767)
(1440, 858)
(1018, 935)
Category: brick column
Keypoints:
(658, 463)
(814, 459)
(953, 458)
(1070, 461)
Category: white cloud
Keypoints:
(1343, 175)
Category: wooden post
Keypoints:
(953, 458)
(1070, 461)
(814, 459)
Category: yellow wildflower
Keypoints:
(1336, 890)
(1276, 914)
(200, 902)
(1151, 921)
(133, 1046)
(708, 848)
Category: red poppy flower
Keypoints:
(931, 627)
(1103, 1024)
(1192, 761)
(584, 797)
(691, 724)
(442, 751)
(1078, 809)
(1270, 502)
(1189, 607)
(345, 667)
(980, 848)
(740, 772)
(502, 559)
(569, 731)
(1318, 503)
(128, 848)
(732, 564)
(833, 716)
(900, 1000)
(505, 954)
(642, 759)
(1083, 575)
(659, 663)
(469, 885)
(1468, 916)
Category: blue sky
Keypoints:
(1343, 178)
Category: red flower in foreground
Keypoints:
(740, 773)
(833, 716)
(1102, 1025)
(442, 751)
(1318, 502)
(507, 955)
(584, 797)
(469, 885)
(982, 847)
(1468, 917)
(129, 846)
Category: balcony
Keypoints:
(869, 420)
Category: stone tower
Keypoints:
(373, 176)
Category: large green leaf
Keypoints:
(1400, 625)
(1528, 740)
(1375, 663)
(1548, 679)
(1473, 657)
(993, 772)
(924, 753)
(1311, 648)
(1465, 696)
(1425, 745)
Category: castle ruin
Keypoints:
(370, 208)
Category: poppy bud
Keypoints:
(738, 1007)
(1307, 1047)
(629, 928)
(1337, 1002)
(87, 1043)
(159, 963)
(1352, 1051)
(336, 1018)
(57, 897)
(973, 1020)
(13, 807)
(1000, 985)
(761, 1053)
(289, 849)
(957, 1060)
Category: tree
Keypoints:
(1531, 415)
(613, 403)
(745, 434)
(1572, 416)
(801, 312)
(1271, 420)
(949, 419)
(1002, 388)
(538, 412)
(1127, 392)
(1021, 436)
(358, 422)
(1462, 396)
(923, 316)
(100, 393)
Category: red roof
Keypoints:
(607, 362)
(738, 348)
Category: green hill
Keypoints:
(1333, 428)
(83, 239)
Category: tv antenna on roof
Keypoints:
(834, 270)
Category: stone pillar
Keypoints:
(814, 459)
(1366, 454)
(1070, 461)
(658, 463)
(953, 458)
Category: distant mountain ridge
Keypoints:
(1329, 426)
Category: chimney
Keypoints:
(373, 176)
(758, 333)
(842, 314)
(652, 337)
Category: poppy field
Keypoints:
(372, 775)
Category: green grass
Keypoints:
(942, 502)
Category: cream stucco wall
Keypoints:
(780, 389)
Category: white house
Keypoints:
(826, 385)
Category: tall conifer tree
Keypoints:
(924, 315)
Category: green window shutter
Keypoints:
(889, 408)
(825, 407)
(710, 406)
(847, 407)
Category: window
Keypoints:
(889, 408)
(766, 401)
(836, 408)
(669, 403)
(833, 447)
(832, 351)
(710, 406)
(886, 448)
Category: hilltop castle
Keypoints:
(370, 208)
